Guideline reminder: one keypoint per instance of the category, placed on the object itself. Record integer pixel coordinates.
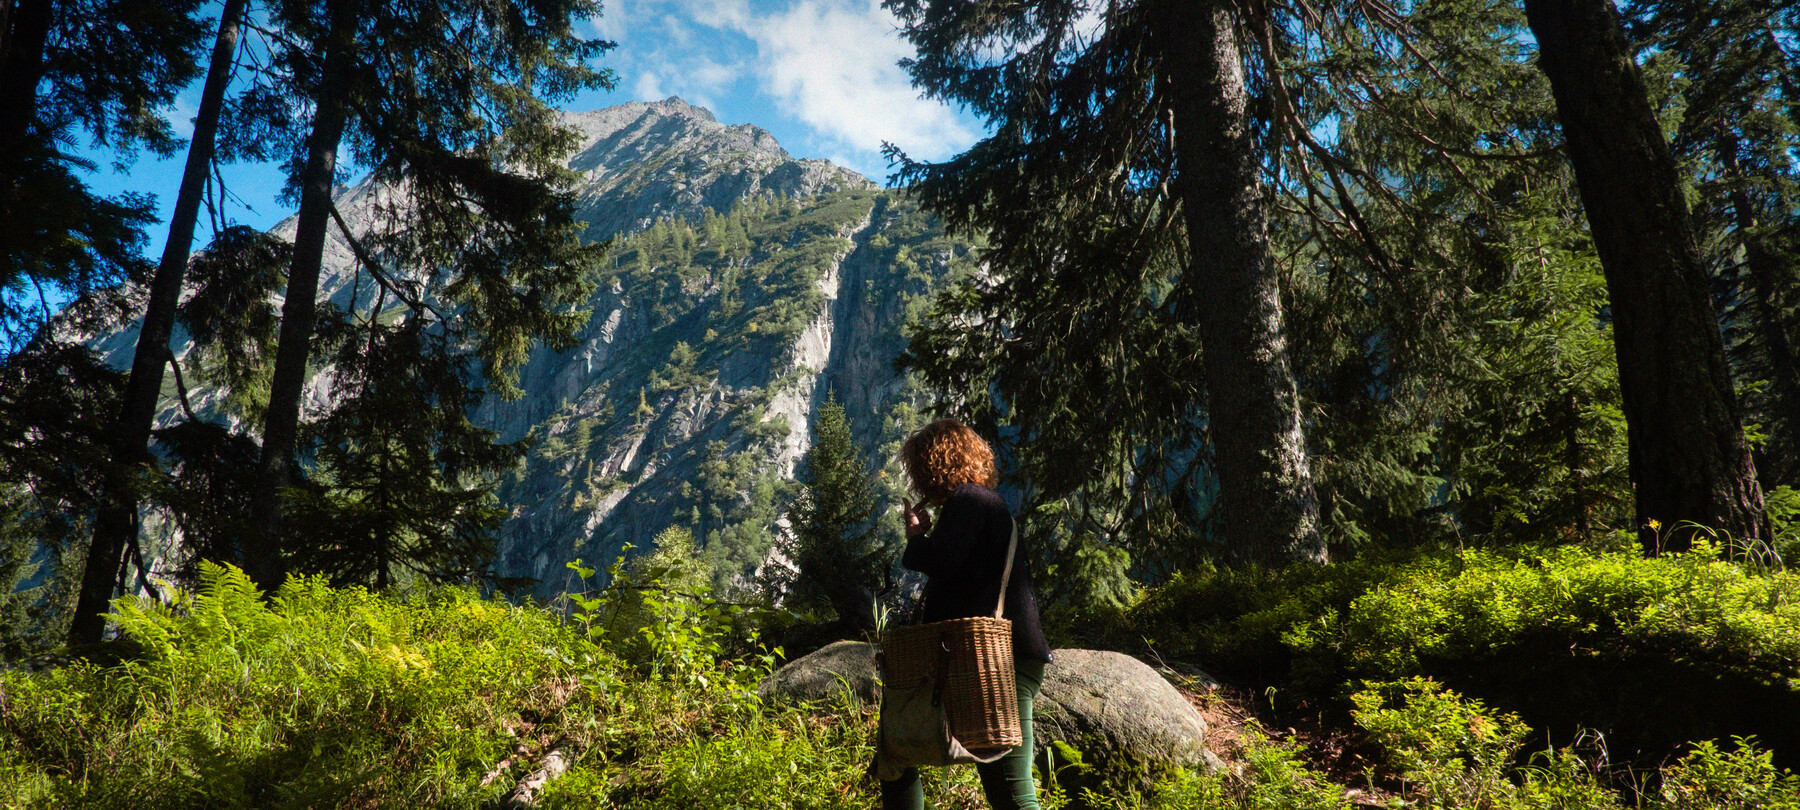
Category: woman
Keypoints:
(962, 557)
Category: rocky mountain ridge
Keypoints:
(744, 287)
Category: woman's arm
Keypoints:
(947, 546)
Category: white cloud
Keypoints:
(828, 66)
(647, 85)
(832, 64)
(183, 111)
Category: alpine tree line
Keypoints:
(472, 260)
(1265, 282)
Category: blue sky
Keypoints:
(818, 74)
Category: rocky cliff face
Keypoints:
(744, 286)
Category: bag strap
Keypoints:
(1012, 544)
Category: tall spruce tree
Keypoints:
(1739, 131)
(838, 562)
(116, 521)
(445, 102)
(100, 69)
(1121, 197)
(1688, 457)
(104, 70)
(1454, 380)
(1458, 384)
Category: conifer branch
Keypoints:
(375, 272)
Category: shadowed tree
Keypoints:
(116, 521)
(1121, 196)
(103, 69)
(1740, 130)
(1688, 457)
(839, 563)
(445, 102)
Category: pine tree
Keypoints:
(117, 518)
(445, 103)
(1439, 305)
(104, 69)
(1689, 461)
(1739, 129)
(1459, 387)
(1122, 200)
(838, 563)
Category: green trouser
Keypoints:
(1007, 780)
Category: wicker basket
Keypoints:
(971, 663)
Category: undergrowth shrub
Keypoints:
(315, 697)
(322, 697)
(1452, 752)
(1743, 776)
(1713, 645)
(1274, 774)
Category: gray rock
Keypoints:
(826, 674)
(1123, 717)
(1120, 716)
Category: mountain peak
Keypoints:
(647, 160)
(677, 104)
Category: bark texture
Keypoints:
(1270, 514)
(115, 526)
(26, 35)
(264, 560)
(1688, 457)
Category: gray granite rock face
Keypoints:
(618, 453)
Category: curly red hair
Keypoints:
(945, 455)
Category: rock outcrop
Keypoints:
(1117, 714)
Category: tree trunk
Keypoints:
(115, 525)
(1776, 464)
(1688, 457)
(22, 67)
(1270, 514)
(264, 559)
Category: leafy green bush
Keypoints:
(1742, 777)
(1713, 645)
(1274, 775)
(1692, 605)
(316, 697)
(1452, 752)
(341, 697)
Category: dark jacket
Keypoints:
(962, 559)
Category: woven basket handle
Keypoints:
(1012, 544)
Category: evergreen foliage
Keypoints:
(446, 106)
(837, 560)
(1734, 124)
(706, 313)
(55, 403)
(402, 482)
(331, 697)
(103, 69)
(1086, 333)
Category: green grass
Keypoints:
(322, 697)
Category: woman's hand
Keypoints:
(918, 521)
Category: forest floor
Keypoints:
(1234, 723)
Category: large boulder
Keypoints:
(845, 669)
(1105, 718)
(1105, 712)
